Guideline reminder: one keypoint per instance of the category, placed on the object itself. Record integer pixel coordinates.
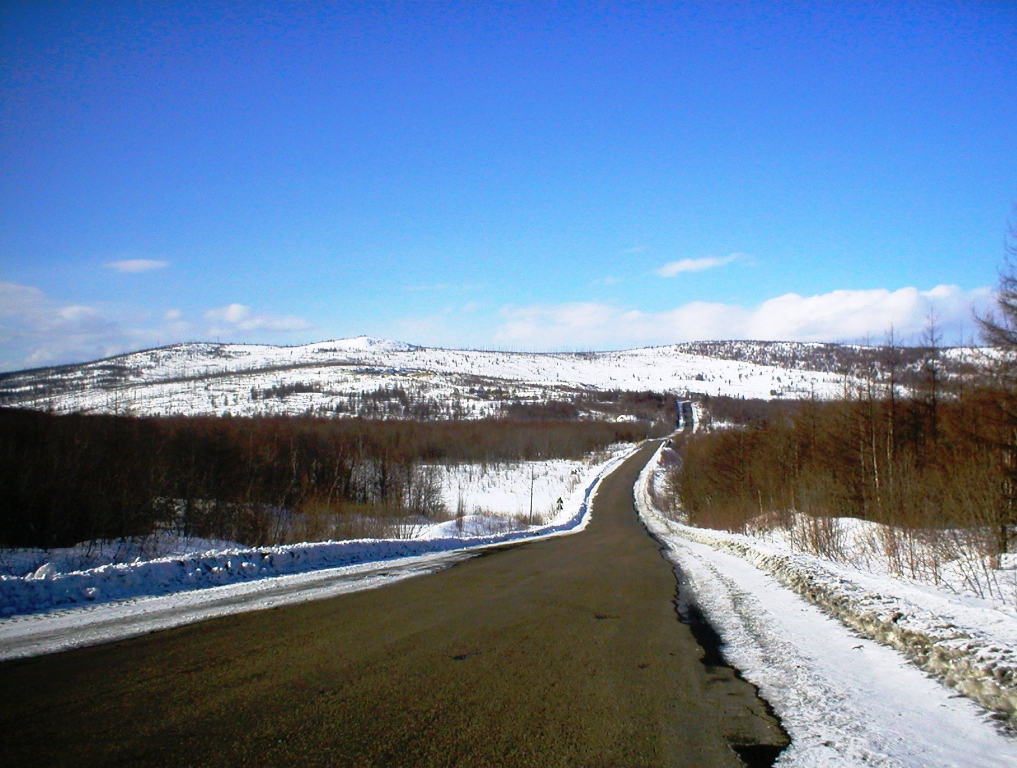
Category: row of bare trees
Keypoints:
(908, 446)
(67, 479)
(907, 462)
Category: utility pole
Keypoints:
(533, 471)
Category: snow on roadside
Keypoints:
(47, 589)
(500, 497)
(80, 626)
(845, 699)
(93, 554)
(495, 498)
(952, 561)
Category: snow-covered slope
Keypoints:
(368, 376)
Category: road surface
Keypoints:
(565, 651)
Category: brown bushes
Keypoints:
(65, 479)
(931, 462)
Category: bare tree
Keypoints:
(891, 364)
(931, 381)
(999, 326)
(999, 329)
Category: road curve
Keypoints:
(564, 651)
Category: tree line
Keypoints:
(65, 479)
(908, 446)
(916, 463)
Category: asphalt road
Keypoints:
(565, 651)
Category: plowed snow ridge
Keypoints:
(844, 699)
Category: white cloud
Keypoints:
(36, 330)
(17, 299)
(234, 314)
(238, 317)
(592, 325)
(856, 315)
(136, 266)
(841, 315)
(695, 265)
(418, 288)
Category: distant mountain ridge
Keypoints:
(835, 358)
(356, 376)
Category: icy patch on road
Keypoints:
(48, 589)
(845, 700)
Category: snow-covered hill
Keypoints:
(375, 377)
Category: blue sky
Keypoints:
(522, 176)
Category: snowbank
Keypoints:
(968, 644)
(952, 561)
(47, 589)
(94, 554)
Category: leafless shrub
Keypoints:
(820, 536)
(936, 470)
(70, 479)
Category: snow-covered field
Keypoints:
(813, 635)
(59, 600)
(497, 497)
(333, 378)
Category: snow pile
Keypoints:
(967, 643)
(93, 554)
(47, 588)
